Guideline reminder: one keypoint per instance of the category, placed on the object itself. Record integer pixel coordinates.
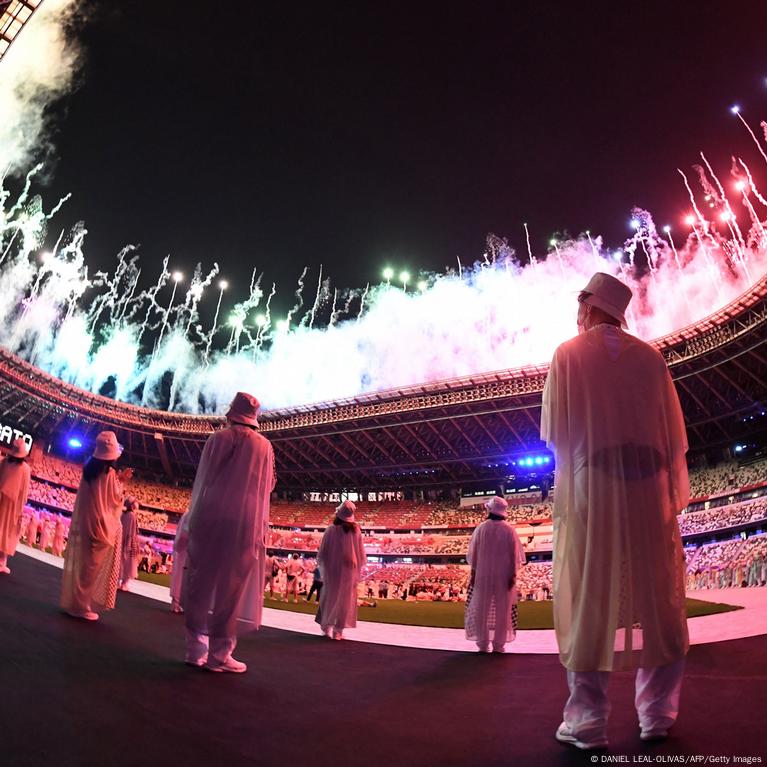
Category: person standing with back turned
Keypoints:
(612, 417)
(228, 521)
(341, 558)
(92, 556)
(14, 489)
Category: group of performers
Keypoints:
(612, 417)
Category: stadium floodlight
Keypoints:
(74, 442)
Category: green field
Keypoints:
(158, 578)
(532, 615)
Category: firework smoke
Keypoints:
(102, 333)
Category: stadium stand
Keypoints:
(440, 529)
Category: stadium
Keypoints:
(418, 461)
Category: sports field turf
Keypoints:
(532, 615)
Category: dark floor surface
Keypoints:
(116, 693)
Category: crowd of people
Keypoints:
(728, 476)
(728, 564)
(723, 517)
(49, 530)
(54, 480)
(447, 515)
(44, 530)
(66, 474)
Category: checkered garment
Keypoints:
(105, 590)
(471, 628)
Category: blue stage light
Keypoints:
(74, 442)
(538, 460)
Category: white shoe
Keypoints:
(563, 735)
(87, 616)
(655, 734)
(499, 648)
(190, 660)
(229, 664)
(483, 646)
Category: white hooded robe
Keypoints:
(228, 518)
(92, 556)
(495, 555)
(14, 488)
(612, 417)
(341, 558)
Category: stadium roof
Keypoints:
(14, 14)
(448, 433)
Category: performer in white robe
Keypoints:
(612, 417)
(228, 529)
(59, 533)
(92, 557)
(496, 556)
(26, 515)
(341, 558)
(179, 563)
(33, 527)
(46, 532)
(14, 488)
(130, 550)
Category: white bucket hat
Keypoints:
(107, 447)
(497, 506)
(244, 409)
(608, 294)
(346, 511)
(19, 448)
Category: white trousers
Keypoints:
(200, 646)
(656, 700)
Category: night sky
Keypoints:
(355, 135)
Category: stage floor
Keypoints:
(116, 693)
